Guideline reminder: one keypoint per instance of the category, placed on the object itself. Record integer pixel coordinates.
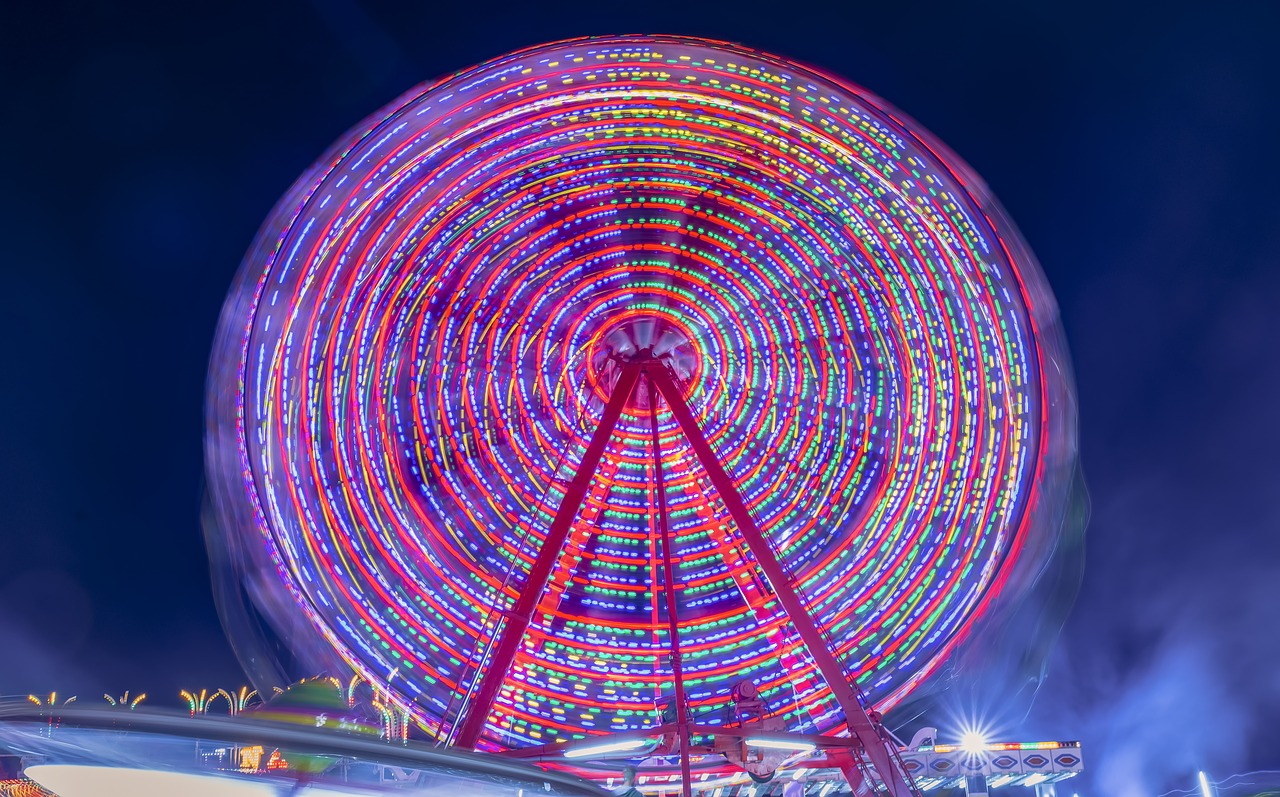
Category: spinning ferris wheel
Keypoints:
(618, 384)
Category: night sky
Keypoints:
(1136, 147)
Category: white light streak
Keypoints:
(89, 781)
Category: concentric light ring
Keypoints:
(421, 340)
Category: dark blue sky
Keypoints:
(1135, 146)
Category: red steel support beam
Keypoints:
(669, 578)
(856, 781)
(860, 724)
(531, 591)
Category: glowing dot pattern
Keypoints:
(424, 330)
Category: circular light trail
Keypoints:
(423, 337)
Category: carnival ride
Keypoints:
(102, 751)
(634, 399)
(318, 748)
(628, 370)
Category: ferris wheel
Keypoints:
(619, 385)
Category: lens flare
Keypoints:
(973, 742)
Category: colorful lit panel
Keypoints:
(425, 333)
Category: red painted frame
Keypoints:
(880, 750)
(518, 617)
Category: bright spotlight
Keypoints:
(1204, 785)
(973, 742)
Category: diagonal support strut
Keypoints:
(860, 724)
(658, 375)
(519, 616)
(669, 586)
